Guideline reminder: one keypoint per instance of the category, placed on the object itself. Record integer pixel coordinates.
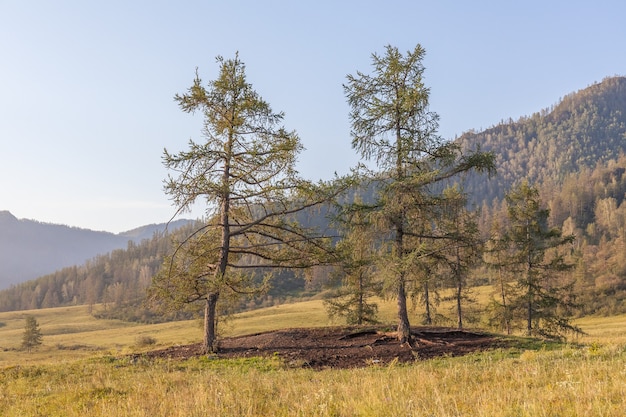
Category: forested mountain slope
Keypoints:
(575, 154)
(584, 129)
(118, 279)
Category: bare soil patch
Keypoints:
(344, 347)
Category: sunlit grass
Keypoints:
(71, 332)
(573, 381)
(81, 369)
(604, 329)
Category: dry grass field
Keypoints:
(83, 368)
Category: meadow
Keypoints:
(83, 369)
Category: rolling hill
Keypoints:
(30, 249)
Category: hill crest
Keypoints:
(584, 129)
(30, 249)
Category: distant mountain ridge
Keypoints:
(30, 249)
(585, 128)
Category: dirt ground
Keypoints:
(344, 347)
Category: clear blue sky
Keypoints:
(86, 87)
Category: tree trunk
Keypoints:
(209, 345)
(530, 290)
(459, 290)
(428, 319)
(529, 327)
(404, 328)
(361, 308)
(507, 321)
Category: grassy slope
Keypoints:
(71, 332)
(78, 371)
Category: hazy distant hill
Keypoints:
(30, 249)
(147, 231)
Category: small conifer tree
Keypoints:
(356, 268)
(32, 334)
(538, 264)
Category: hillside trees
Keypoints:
(117, 279)
(393, 126)
(584, 129)
(244, 172)
(464, 249)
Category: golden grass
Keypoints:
(71, 332)
(567, 382)
(303, 314)
(81, 370)
(605, 330)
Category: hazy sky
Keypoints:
(86, 87)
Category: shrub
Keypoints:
(142, 341)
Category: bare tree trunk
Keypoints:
(428, 319)
(459, 289)
(458, 305)
(210, 315)
(404, 328)
(361, 308)
(507, 320)
(209, 345)
(530, 291)
(529, 324)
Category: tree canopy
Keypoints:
(244, 171)
(393, 126)
(534, 258)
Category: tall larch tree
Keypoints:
(393, 127)
(244, 171)
(537, 260)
